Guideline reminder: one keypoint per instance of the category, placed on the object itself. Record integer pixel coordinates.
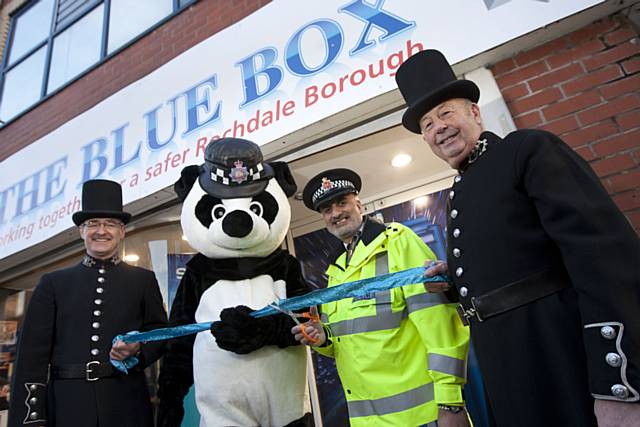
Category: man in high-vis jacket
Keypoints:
(400, 354)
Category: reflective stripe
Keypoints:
(384, 319)
(387, 405)
(431, 424)
(447, 365)
(420, 301)
(382, 264)
(324, 318)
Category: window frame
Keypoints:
(48, 43)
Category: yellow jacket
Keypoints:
(400, 352)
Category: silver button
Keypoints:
(95, 325)
(99, 290)
(608, 332)
(456, 252)
(452, 194)
(101, 270)
(95, 338)
(464, 291)
(33, 401)
(95, 351)
(100, 279)
(97, 301)
(613, 359)
(456, 232)
(33, 387)
(457, 179)
(459, 271)
(454, 213)
(33, 416)
(619, 391)
(97, 313)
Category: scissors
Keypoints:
(307, 315)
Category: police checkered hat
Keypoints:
(234, 168)
(328, 185)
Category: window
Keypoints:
(52, 42)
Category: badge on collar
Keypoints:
(239, 174)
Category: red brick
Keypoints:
(586, 153)
(593, 79)
(618, 143)
(529, 120)
(609, 109)
(571, 105)
(629, 120)
(538, 100)
(521, 74)
(628, 200)
(591, 134)
(557, 76)
(515, 92)
(625, 181)
(631, 66)
(593, 30)
(612, 165)
(612, 55)
(619, 36)
(627, 85)
(575, 54)
(503, 66)
(562, 125)
(541, 51)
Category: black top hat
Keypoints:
(328, 185)
(101, 199)
(233, 168)
(426, 80)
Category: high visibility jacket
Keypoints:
(400, 352)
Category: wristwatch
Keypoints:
(452, 409)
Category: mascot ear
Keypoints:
(188, 177)
(284, 178)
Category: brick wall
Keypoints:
(195, 24)
(585, 87)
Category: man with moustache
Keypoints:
(545, 264)
(63, 376)
(400, 354)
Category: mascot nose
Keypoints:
(237, 224)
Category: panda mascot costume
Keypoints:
(247, 371)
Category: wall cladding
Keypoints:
(195, 24)
(585, 87)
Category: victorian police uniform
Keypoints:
(63, 376)
(367, 335)
(545, 264)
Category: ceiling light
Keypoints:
(131, 258)
(421, 202)
(401, 160)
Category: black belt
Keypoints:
(514, 295)
(90, 371)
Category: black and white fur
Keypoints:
(239, 263)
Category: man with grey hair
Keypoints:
(545, 264)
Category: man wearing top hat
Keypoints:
(63, 376)
(545, 264)
(400, 354)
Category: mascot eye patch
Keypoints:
(269, 206)
(205, 206)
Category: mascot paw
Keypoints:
(238, 332)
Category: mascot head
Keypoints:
(235, 205)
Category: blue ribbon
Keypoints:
(355, 289)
